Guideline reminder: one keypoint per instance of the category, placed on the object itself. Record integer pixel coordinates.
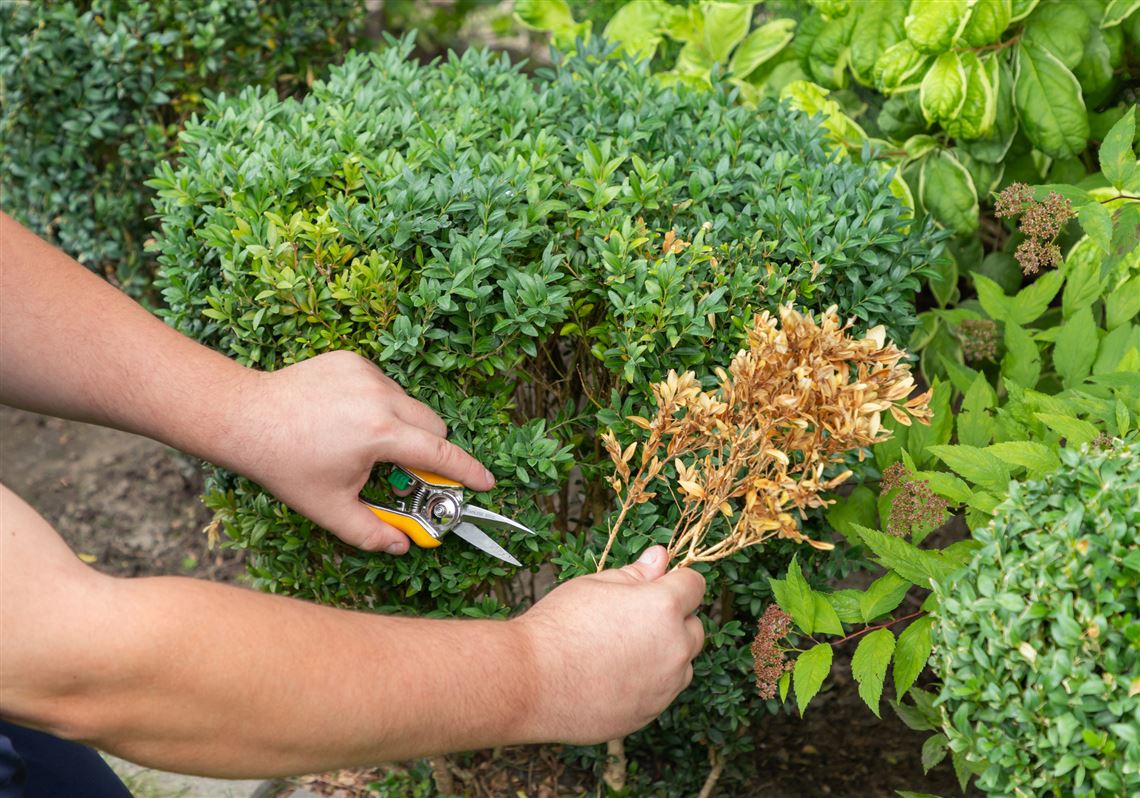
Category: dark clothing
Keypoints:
(38, 765)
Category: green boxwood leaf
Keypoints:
(761, 45)
(947, 192)
(869, 665)
(933, 25)
(1049, 103)
(912, 654)
(810, 670)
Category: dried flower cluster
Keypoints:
(753, 450)
(979, 339)
(914, 506)
(1041, 222)
(768, 659)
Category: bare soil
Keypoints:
(130, 507)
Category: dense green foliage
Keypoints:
(1038, 639)
(526, 256)
(95, 92)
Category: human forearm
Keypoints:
(76, 347)
(222, 681)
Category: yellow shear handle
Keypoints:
(428, 478)
(406, 524)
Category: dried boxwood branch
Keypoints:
(744, 457)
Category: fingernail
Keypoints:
(650, 556)
(489, 477)
(395, 548)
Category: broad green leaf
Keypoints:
(553, 16)
(1117, 155)
(921, 436)
(932, 25)
(946, 485)
(810, 670)
(869, 665)
(918, 566)
(784, 683)
(975, 465)
(1114, 346)
(638, 25)
(1034, 299)
(912, 654)
(975, 424)
(988, 20)
(826, 619)
(878, 26)
(883, 596)
(1117, 11)
(993, 299)
(1122, 304)
(943, 89)
(900, 68)
(760, 46)
(794, 596)
(976, 116)
(947, 192)
(1083, 281)
(829, 52)
(1049, 103)
(846, 605)
(1020, 9)
(1074, 430)
(726, 25)
(1061, 28)
(1036, 457)
(993, 147)
(1075, 348)
(1097, 223)
(858, 507)
(934, 750)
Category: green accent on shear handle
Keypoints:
(399, 479)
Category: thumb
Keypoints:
(649, 566)
(358, 526)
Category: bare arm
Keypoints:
(204, 678)
(73, 346)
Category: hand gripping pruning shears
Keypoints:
(431, 506)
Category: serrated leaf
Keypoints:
(810, 670)
(975, 425)
(869, 665)
(911, 654)
(934, 750)
(975, 465)
(1074, 430)
(1022, 360)
(918, 566)
(846, 605)
(1034, 299)
(1075, 348)
(1037, 458)
(794, 596)
(826, 619)
(1117, 155)
(1096, 221)
(1122, 304)
(1083, 280)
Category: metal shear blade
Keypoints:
(479, 539)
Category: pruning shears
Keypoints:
(430, 506)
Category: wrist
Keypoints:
(536, 723)
(236, 408)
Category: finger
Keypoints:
(415, 448)
(420, 415)
(695, 631)
(358, 526)
(687, 585)
(649, 566)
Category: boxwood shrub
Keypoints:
(527, 255)
(1038, 640)
(95, 91)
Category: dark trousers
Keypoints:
(38, 765)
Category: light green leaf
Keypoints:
(1049, 103)
(1075, 349)
(933, 25)
(846, 605)
(783, 684)
(944, 88)
(760, 46)
(1021, 9)
(975, 465)
(978, 112)
(1122, 304)
(1034, 299)
(794, 596)
(810, 670)
(993, 147)
(917, 566)
(1097, 223)
(988, 20)
(553, 16)
(869, 665)
(726, 25)
(858, 507)
(946, 485)
(1061, 28)
(934, 750)
(975, 424)
(1083, 281)
(878, 27)
(826, 619)
(1074, 430)
(883, 596)
(947, 192)
(900, 68)
(1114, 346)
(1117, 155)
(1117, 11)
(919, 437)
(638, 25)
(993, 299)
(1036, 457)
(912, 654)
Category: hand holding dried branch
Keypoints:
(754, 449)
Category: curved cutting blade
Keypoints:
(486, 518)
(479, 539)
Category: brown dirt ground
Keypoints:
(129, 506)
